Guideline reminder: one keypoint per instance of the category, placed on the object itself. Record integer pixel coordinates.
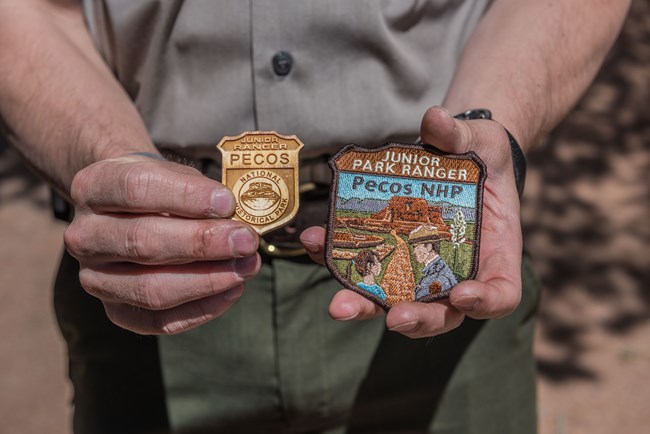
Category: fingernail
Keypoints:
(349, 318)
(311, 247)
(243, 242)
(233, 293)
(246, 267)
(467, 302)
(405, 327)
(223, 203)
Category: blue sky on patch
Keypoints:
(466, 198)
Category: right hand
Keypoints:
(155, 243)
(496, 290)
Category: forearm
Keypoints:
(60, 104)
(530, 61)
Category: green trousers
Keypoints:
(276, 363)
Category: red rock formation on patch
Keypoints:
(402, 214)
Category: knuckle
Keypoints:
(74, 240)
(135, 319)
(137, 243)
(145, 294)
(81, 184)
(466, 132)
(189, 189)
(185, 317)
(149, 294)
(139, 180)
(193, 194)
(169, 329)
(89, 282)
(162, 324)
(203, 237)
(140, 320)
(205, 311)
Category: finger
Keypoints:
(417, 320)
(496, 290)
(313, 239)
(348, 305)
(495, 293)
(164, 287)
(144, 185)
(485, 137)
(155, 239)
(175, 320)
(438, 128)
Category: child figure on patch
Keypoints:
(368, 266)
(437, 277)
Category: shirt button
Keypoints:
(282, 63)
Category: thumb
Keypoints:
(440, 129)
(313, 238)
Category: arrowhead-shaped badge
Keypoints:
(261, 169)
(405, 221)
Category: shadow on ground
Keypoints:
(586, 220)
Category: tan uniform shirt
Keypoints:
(362, 71)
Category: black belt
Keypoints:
(313, 211)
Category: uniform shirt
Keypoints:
(363, 71)
(436, 271)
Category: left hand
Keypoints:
(496, 290)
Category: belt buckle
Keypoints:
(281, 251)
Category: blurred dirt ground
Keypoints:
(586, 222)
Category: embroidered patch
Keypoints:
(404, 221)
(261, 169)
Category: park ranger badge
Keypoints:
(405, 221)
(261, 169)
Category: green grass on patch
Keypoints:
(352, 213)
(460, 263)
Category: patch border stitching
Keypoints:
(482, 176)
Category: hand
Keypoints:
(496, 291)
(155, 244)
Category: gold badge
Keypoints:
(261, 169)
